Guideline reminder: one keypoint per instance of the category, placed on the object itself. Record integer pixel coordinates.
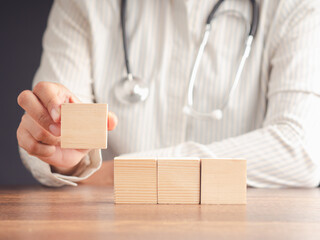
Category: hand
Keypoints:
(39, 129)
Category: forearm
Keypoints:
(282, 153)
(275, 156)
(47, 176)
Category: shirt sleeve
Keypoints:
(285, 151)
(66, 60)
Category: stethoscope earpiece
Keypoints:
(215, 114)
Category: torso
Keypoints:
(163, 39)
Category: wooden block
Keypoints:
(178, 181)
(223, 181)
(135, 180)
(84, 126)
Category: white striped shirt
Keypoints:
(272, 119)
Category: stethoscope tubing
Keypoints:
(188, 108)
(218, 112)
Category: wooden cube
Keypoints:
(135, 180)
(178, 181)
(223, 181)
(84, 126)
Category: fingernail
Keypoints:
(55, 114)
(54, 129)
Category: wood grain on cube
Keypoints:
(178, 181)
(135, 180)
(84, 126)
(223, 181)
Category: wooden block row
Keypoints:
(179, 181)
(84, 126)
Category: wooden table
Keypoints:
(88, 212)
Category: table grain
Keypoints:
(88, 212)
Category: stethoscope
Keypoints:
(132, 90)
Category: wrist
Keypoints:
(64, 171)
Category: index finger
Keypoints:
(31, 104)
(52, 95)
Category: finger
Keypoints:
(31, 104)
(28, 143)
(65, 158)
(52, 95)
(38, 132)
(112, 121)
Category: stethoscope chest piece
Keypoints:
(130, 90)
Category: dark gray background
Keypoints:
(22, 24)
